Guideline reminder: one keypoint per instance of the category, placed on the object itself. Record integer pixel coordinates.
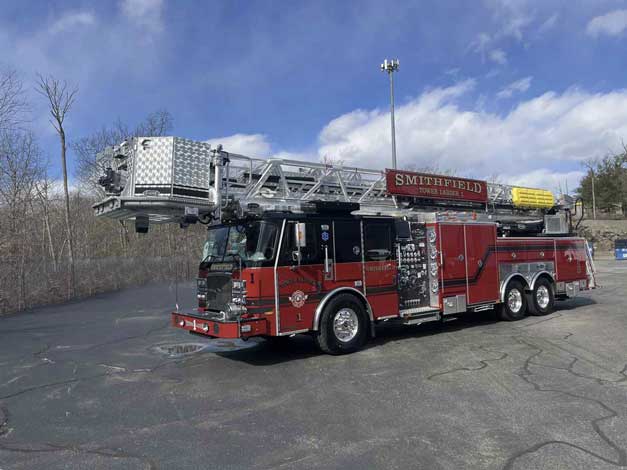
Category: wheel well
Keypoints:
(543, 275)
(512, 277)
(334, 293)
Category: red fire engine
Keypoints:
(297, 247)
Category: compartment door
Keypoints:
(453, 259)
(483, 285)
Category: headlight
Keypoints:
(434, 254)
(233, 311)
(434, 286)
(431, 236)
(239, 284)
(434, 269)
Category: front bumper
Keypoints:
(200, 324)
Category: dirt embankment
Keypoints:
(603, 232)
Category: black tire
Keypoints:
(337, 320)
(508, 310)
(542, 299)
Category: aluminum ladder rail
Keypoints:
(590, 268)
(252, 179)
(284, 182)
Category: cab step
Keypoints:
(450, 318)
(416, 316)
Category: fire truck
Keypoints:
(296, 247)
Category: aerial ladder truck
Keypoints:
(297, 247)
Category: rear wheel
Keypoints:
(514, 306)
(343, 325)
(542, 299)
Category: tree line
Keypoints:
(52, 248)
(608, 177)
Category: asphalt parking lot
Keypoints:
(106, 383)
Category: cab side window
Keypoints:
(377, 240)
(347, 241)
(310, 253)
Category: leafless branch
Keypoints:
(13, 105)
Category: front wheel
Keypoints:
(514, 306)
(542, 299)
(343, 325)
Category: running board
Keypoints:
(482, 308)
(422, 316)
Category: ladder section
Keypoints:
(167, 179)
(253, 180)
(590, 267)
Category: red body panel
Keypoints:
(470, 258)
(216, 329)
(381, 292)
(571, 259)
(294, 281)
(481, 265)
(453, 269)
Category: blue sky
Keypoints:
(517, 89)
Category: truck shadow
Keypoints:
(302, 346)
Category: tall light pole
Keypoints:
(390, 66)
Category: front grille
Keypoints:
(218, 291)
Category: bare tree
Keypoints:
(89, 167)
(60, 98)
(432, 168)
(332, 161)
(12, 102)
(20, 169)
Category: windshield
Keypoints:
(254, 243)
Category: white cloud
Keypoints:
(71, 20)
(512, 16)
(499, 56)
(549, 131)
(611, 24)
(519, 86)
(549, 23)
(539, 143)
(144, 13)
(483, 46)
(557, 182)
(252, 145)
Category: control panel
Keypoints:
(412, 258)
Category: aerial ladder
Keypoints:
(175, 180)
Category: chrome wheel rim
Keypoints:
(345, 325)
(542, 297)
(514, 300)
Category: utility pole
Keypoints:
(390, 66)
(589, 164)
(594, 202)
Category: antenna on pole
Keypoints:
(391, 66)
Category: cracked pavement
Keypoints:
(88, 384)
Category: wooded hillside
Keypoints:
(38, 264)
